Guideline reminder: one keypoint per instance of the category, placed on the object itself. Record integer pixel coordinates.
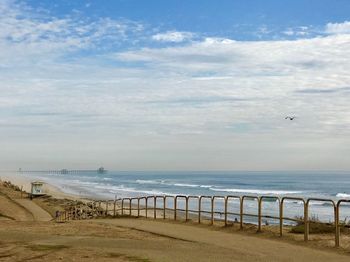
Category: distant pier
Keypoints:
(100, 170)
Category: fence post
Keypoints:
(175, 207)
(212, 210)
(226, 200)
(281, 217)
(130, 207)
(199, 209)
(164, 206)
(155, 207)
(106, 208)
(138, 207)
(241, 212)
(337, 229)
(306, 221)
(122, 206)
(114, 208)
(187, 208)
(259, 213)
(336, 225)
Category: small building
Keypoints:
(37, 188)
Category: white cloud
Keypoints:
(338, 28)
(300, 31)
(26, 32)
(173, 36)
(259, 79)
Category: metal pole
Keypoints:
(281, 217)
(212, 210)
(130, 207)
(155, 207)
(337, 236)
(306, 221)
(199, 209)
(336, 224)
(175, 207)
(241, 213)
(226, 200)
(138, 207)
(122, 206)
(259, 212)
(164, 206)
(186, 208)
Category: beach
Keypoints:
(28, 232)
(117, 184)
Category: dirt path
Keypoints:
(39, 214)
(245, 248)
(21, 210)
(142, 240)
(12, 210)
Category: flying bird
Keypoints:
(290, 117)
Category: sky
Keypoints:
(175, 85)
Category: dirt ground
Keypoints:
(127, 239)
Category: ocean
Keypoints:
(117, 184)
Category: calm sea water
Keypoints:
(333, 185)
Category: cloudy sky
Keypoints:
(175, 85)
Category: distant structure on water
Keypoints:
(64, 171)
(101, 170)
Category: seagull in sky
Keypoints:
(290, 117)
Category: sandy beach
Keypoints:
(28, 232)
(23, 181)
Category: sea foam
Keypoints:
(343, 195)
(255, 191)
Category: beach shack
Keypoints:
(37, 189)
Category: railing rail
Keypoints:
(213, 212)
(284, 218)
(227, 199)
(176, 204)
(242, 214)
(126, 207)
(165, 206)
(306, 216)
(200, 211)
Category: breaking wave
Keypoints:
(255, 191)
(343, 195)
